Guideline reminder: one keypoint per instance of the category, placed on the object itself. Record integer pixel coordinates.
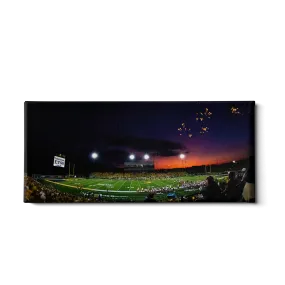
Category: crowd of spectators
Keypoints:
(36, 192)
(226, 189)
(183, 185)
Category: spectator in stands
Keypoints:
(249, 187)
(150, 198)
(232, 191)
(241, 183)
(43, 196)
(222, 184)
(212, 192)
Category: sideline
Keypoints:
(83, 188)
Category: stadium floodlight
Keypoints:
(182, 156)
(146, 156)
(132, 156)
(94, 155)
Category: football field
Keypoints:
(121, 188)
(121, 185)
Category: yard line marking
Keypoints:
(168, 183)
(136, 185)
(87, 182)
(157, 184)
(116, 183)
(165, 183)
(122, 185)
(139, 184)
(106, 181)
(84, 188)
(102, 181)
(98, 181)
(130, 186)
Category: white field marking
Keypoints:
(166, 183)
(140, 186)
(84, 188)
(109, 182)
(130, 185)
(115, 184)
(86, 182)
(173, 184)
(144, 186)
(95, 181)
(149, 185)
(158, 185)
(135, 185)
(120, 181)
(106, 182)
(106, 185)
(123, 185)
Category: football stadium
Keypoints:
(138, 152)
(138, 183)
(132, 189)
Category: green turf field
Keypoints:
(114, 185)
(115, 190)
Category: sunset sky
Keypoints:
(116, 129)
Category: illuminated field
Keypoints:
(123, 189)
(116, 185)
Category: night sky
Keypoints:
(116, 129)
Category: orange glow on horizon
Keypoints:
(197, 160)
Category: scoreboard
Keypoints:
(139, 166)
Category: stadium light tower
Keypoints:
(94, 155)
(146, 156)
(132, 156)
(182, 156)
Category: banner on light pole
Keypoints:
(59, 161)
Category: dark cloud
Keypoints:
(160, 147)
(169, 152)
(114, 156)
